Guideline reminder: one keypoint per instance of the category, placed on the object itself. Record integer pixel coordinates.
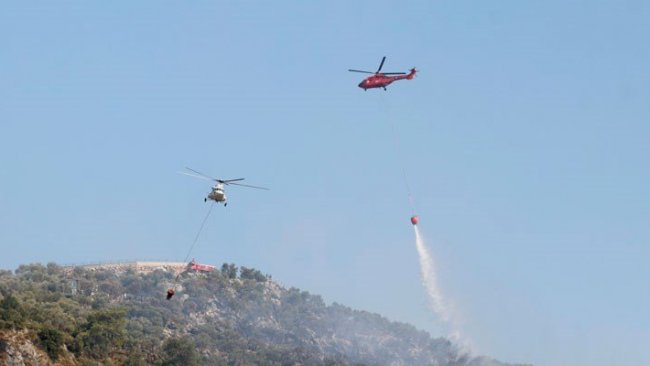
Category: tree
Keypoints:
(11, 313)
(103, 332)
(251, 274)
(179, 352)
(229, 270)
(135, 359)
(52, 340)
(53, 269)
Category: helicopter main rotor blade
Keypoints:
(365, 72)
(201, 174)
(196, 176)
(381, 65)
(249, 186)
(230, 180)
(393, 73)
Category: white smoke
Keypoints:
(437, 301)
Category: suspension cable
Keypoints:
(196, 239)
(398, 150)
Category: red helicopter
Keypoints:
(380, 79)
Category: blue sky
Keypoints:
(525, 138)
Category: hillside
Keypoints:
(233, 316)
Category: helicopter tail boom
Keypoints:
(411, 74)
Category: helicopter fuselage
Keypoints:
(217, 194)
(382, 81)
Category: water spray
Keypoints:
(437, 302)
(428, 273)
(430, 278)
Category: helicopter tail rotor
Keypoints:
(411, 74)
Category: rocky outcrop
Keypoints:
(17, 349)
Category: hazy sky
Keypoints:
(525, 138)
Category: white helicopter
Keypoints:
(218, 194)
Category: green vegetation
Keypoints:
(52, 341)
(123, 318)
(179, 352)
(235, 316)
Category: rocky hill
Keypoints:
(51, 315)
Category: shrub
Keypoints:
(51, 340)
